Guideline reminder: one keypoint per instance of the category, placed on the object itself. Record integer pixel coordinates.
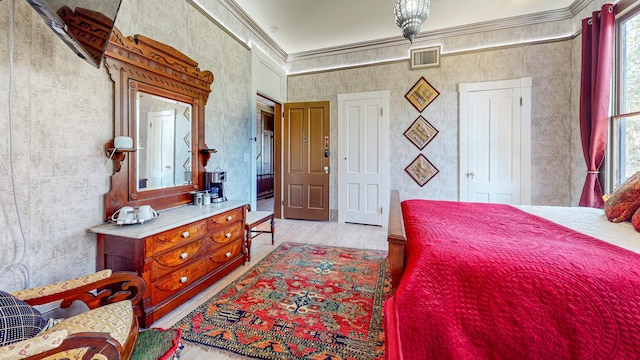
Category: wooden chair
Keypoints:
(255, 218)
(88, 335)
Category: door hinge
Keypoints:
(520, 100)
(282, 203)
(380, 209)
(381, 110)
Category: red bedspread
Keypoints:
(488, 281)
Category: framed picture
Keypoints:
(421, 170)
(421, 132)
(421, 94)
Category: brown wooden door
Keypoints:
(306, 163)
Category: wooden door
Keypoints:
(495, 142)
(306, 161)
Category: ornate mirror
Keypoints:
(160, 95)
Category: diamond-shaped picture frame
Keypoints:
(421, 170)
(421, 94)
(421, 132)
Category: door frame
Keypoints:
(383, 96)
(524, 84)
(269, 80)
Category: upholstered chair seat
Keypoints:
(108, 330)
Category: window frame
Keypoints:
(615, 139)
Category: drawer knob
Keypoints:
(227, 235)
(184, 255)
(227, 254)
(183, 279)
(229, 218)
(185, 234)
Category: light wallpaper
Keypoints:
(62, 111)
(60, 115)
(550, 67)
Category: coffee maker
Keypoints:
(213, 182)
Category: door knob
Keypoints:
(326, 169)
(471, 175)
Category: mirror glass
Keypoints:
(164, 141)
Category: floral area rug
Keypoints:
(299, 302)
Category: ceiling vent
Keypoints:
(425, 57)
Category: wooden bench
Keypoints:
(255, 218)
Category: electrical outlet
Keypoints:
(247, 157)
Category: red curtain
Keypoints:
(595, 93)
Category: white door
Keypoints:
(495, 141)
(363, 158)
(160, 148)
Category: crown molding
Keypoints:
(517, 21)
(248, 22)
(578, 6)
(215, 21)
(453, 53)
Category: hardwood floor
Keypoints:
(308, 232)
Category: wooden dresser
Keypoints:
(180, 253)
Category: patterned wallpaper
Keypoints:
(63, 116)
(551, 113)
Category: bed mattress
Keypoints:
(589, 221)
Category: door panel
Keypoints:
(495, 142)
(295, 196)
(295, 148)
(363, 174)
(494, 154)
(306, 183)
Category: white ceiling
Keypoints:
(309, 25)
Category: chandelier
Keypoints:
(409, 15)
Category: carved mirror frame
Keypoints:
(139, 63)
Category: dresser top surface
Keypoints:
(167, 219)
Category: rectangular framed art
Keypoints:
(421, 94)
(421, 132)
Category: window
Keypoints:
(625, 127)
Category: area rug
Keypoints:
(300, 302)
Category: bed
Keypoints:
(493, 281)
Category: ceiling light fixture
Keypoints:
(409, 15)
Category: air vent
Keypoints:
(425, 57)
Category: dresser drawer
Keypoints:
(174, 237)
(227, 234)
(178, 280)
(226, 218)
(169, 261)
(225, 254)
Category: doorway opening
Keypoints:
(265, 189)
